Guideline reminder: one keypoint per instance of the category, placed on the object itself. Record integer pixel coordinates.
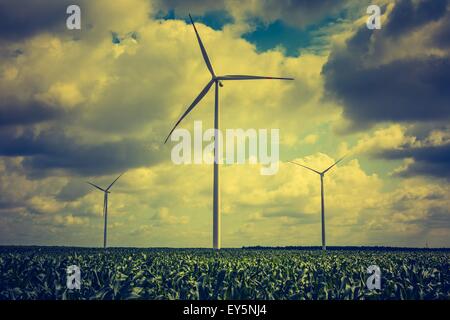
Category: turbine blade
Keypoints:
(246, 77)
(193, 104)
(95, 186)
(114, 181)
(202, 48)
(305, 167)
(333, 164)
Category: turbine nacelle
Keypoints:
(320, 173)
(218, 80)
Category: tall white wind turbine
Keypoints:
(217, 81)
(105, 207)
(321, 174)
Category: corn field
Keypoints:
(40, 273)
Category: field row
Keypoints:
(228, 274)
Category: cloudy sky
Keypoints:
(87, 105)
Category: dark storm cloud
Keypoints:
(403, 90)
(432, 160)
(54, 150)
(408, 16)
(442, 37)
(25, 18)
(13, 112)
(413, 89)
(7, 204)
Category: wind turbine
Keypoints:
(322, 174)
(105, 206)
(217, 81)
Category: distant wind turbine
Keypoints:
(105, 206)
(321, 194)
(217, 80)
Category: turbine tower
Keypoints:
(322, 200)
(217, 81)
(105, 207)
